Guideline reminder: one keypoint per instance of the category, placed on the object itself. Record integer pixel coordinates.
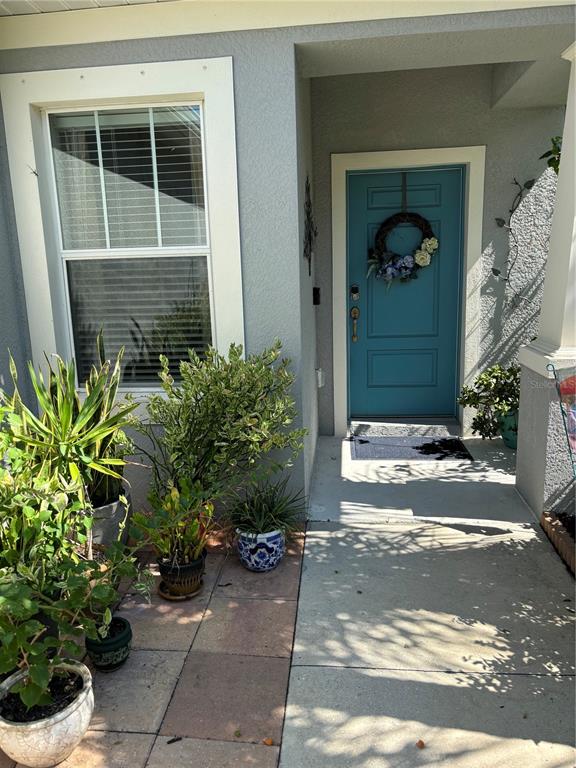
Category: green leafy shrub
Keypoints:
(45, 605)
(179, 526)
(268, 507)
(225, 423)
(495, 393)
(42, 519)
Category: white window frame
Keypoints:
(28, 98)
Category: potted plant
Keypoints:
(46, 701)
(178, 528)
(495, 395)
(43, 531)
(109, 641)
(224, 422)
(262, 519)
(79, 439)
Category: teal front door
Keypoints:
(403, 345)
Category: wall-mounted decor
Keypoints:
(387, 264)
(310, 228)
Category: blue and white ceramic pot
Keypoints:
(261, 551)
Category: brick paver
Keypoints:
(206, 681)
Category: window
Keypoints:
(133, 234)
(80, 214)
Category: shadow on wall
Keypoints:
(511, 307)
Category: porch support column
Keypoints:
(544, 472)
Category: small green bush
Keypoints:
(225, 424)
(495, 393)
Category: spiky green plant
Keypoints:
(269, 507)
(76, 439)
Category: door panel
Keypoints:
(404, 362)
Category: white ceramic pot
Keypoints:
(44, 743)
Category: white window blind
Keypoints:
(133, 180)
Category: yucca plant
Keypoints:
(76, 439)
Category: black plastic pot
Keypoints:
(110, 653)
(181, 581)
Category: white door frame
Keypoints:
(471, 157)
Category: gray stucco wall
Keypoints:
(264, 82)
(447, 107)
(13, 320)
(307, 309)
(543, 468)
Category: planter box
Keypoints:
(562, 541)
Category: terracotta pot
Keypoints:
(561, 540)
(45, 743)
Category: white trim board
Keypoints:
(25, 99)
(474, 160)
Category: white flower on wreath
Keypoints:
(422, 258)
(429, 244)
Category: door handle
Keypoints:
(354, 314)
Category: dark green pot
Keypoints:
(109, 654)
(509, 428)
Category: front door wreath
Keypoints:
(388, 265)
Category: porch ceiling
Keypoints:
(528, 71)
(27, 7)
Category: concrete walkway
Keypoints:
(434, 611)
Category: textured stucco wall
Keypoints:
(13, 321)
(543, 464)
(308, 311)
(447, 107)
